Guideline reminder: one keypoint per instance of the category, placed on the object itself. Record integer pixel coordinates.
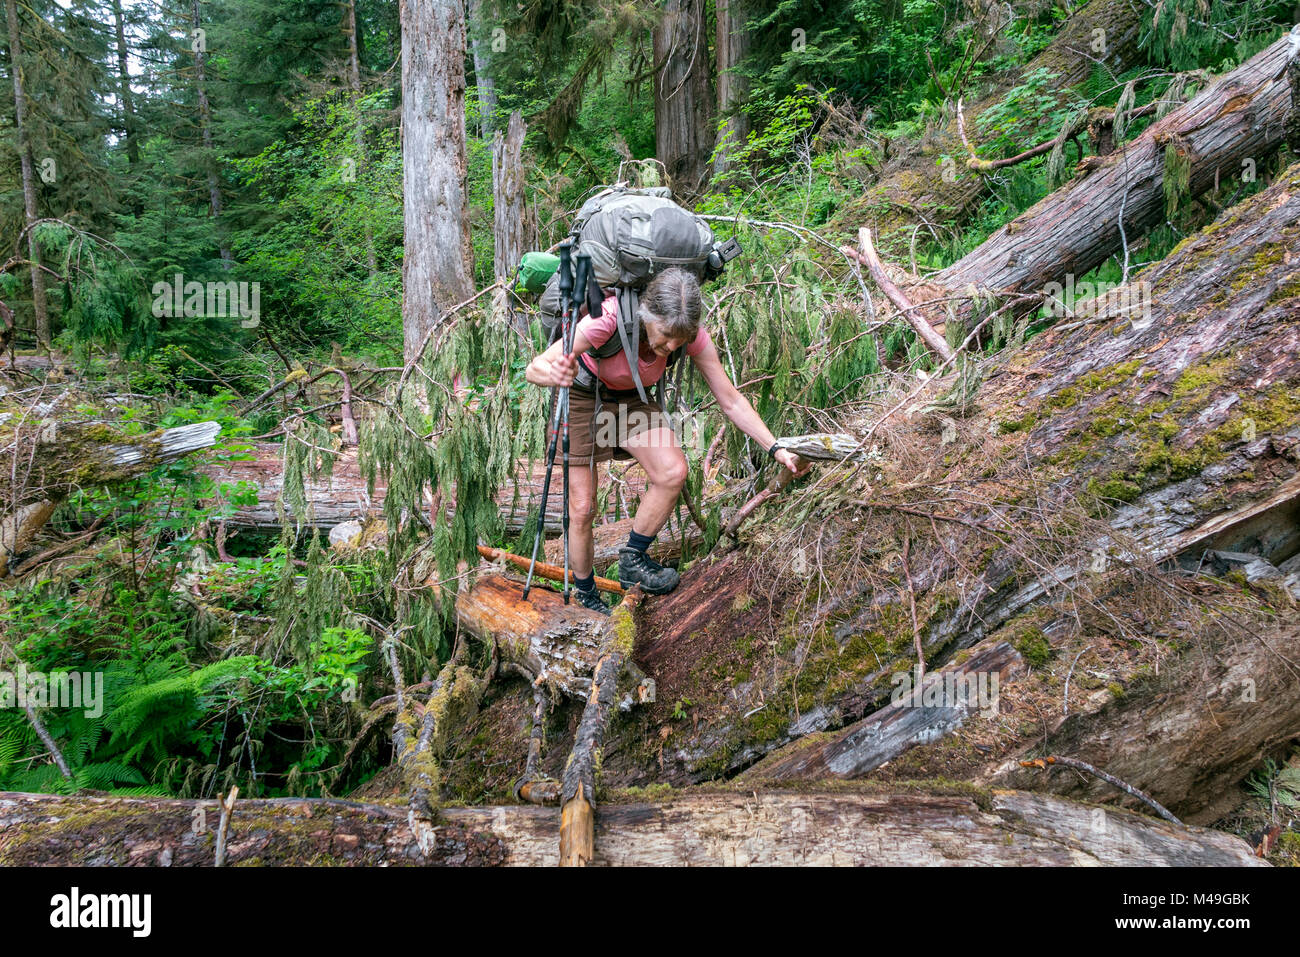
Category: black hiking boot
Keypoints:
(638, 568)
(591, 599)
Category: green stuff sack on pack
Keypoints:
(535, 269)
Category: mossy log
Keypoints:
(1225, 132)
(844, 828)
(578, 791)
(937, 705)
(917, 188)
(49, 457)
(1185, 737)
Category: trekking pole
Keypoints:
(569, 328)
(560, 405)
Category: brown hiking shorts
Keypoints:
(622, 415)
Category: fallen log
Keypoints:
(940, 703)
(577, 809)
(554, 644)
(49, 457)
(917, 184)
(911, 828)
(1240, 116)
(1186, 738)
(578, 793)
(343, 495)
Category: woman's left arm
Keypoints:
(737, 408)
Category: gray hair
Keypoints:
(672, 298)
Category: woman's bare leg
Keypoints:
(665, 466)
(582, 510)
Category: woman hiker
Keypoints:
(669, 313)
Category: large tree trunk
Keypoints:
(733, 89)
(917, 184)
(1233, 125)
(40, 309)
(694, 829)
(1188, 737)
(437, 260)
(684, 132)
(515, 230)
(1128, 444)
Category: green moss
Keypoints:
(1114, 488)
(1200, 379)
(1251, 271)
(1033, 647)
(623, 629)
(1023, 424)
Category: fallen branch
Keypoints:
(869, 258)
(543, 570)
(227, 809)
(577, 820)
(1108, 778)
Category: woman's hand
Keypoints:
(791, 461)
(552, 370)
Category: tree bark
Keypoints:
(684, 132)
(733, 89)
(1187, 738)
(555, 644)
(694, 829)
(437, 259)
(40, 308)
(515, 229)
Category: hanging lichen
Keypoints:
(1177, 179)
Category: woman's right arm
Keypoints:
(552, 367)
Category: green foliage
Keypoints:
(1186, 34)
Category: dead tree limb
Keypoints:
(1078, 765)
(869, 258)
(577, 811)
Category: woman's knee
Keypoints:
(672, 472)
(582, 510)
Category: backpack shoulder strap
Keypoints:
(628, 302)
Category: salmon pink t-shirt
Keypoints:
(614, 371)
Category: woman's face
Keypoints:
(659, 343)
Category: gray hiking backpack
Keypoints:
(632, 234)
